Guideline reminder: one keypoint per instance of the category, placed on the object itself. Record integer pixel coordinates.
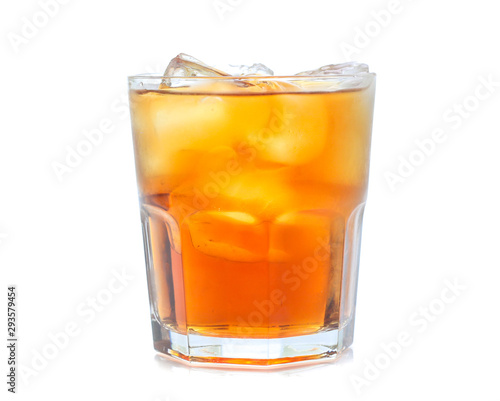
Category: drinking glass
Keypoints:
(252, 191)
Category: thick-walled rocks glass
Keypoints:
(252, 192)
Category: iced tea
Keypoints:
(252, 193)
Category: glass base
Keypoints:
(250, 352)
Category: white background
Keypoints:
(62, 240)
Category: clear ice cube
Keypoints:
(347, 76)
(235, 236)
(290, 138)
(295, 235)
(350, 68)
(251, 70)
(187, 66)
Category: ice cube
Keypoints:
(174, 132)
(187, 66)
(296, 236)
(347, 76)
(263, 194)
(235, 236)
(254, 69)
(184, 66)
(350, 68)
(295, 133)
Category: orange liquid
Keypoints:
(245, 200)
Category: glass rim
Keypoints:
(251, 77)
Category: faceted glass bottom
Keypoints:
(252, 352)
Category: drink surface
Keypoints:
(246, 196)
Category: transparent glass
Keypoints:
(252, 191)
